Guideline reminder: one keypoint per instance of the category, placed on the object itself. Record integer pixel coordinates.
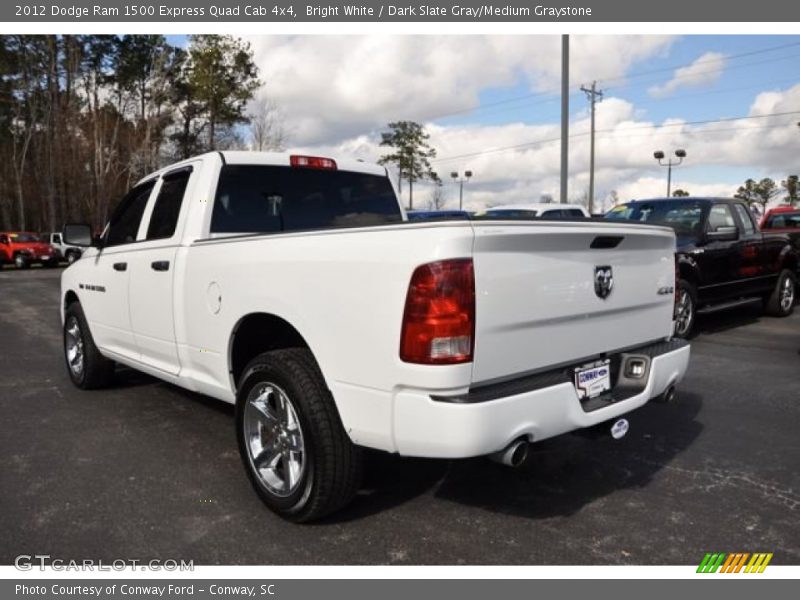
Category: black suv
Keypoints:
(723, 260)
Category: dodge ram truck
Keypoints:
(724, 261)
(293, 287)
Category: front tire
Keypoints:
(781, 302)
(686, 309)
(20, 262)
(292, 443)
(72, 256)
(87, 368)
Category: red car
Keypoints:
(784, 220)
(24, 249)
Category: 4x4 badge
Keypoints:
(603, 281)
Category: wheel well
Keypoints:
(790, 262)
(69, 298)
(688, 273)
(257, 333)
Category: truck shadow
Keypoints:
(726, 320)
(560, 476)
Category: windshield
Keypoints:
(686, 218)
(21, 238)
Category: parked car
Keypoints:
(290, 286)
(428, 215)
(527, 211)
(25, 249)
(65, 252)
(723, 260)
(783, 220)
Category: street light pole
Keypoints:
(680, 153)
(461, 181)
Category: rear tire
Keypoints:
(20, 262)
(87, 368)
(288, 425)
(72, 256)
(686, 310)
(780, 303)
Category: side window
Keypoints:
(125, 221)
(56, 238)
(573, 212)
(168, 205)
(3, 239)
(744, 217)
(720, 216)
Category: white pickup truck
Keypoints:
(294, 287)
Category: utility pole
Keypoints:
(592, 94)
(564, 116)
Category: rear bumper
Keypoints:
(487, 419)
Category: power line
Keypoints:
(616, 130)
(634, 75)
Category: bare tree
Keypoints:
(266, 127)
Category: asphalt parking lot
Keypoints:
(146, 470)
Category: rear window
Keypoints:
(263, 199)
(783, 221)
(686, 218)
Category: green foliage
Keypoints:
(758, 192)
(411, 153)
(790, 184)
(216, 80)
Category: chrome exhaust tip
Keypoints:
(513, 455)
(669, 395)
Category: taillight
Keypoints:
(439, 318)
(312, 162)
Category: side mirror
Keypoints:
(723, 234)
(75, 234)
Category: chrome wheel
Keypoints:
(71, 258)
(684, 313)
(73, 346)
(274, 439)
(787, 294)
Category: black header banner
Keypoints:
(462, 11)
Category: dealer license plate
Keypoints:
(593, 379)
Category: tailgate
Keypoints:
(537, 305)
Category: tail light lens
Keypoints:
(439, 318)
(312, 162)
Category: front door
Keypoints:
(105, 279)
(720, 258)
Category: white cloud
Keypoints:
(335, 87)
(704, 71)
(624, 155)
(338, 93)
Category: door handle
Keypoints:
(160, 265)
(122, 266)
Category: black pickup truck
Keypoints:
(723, 260)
